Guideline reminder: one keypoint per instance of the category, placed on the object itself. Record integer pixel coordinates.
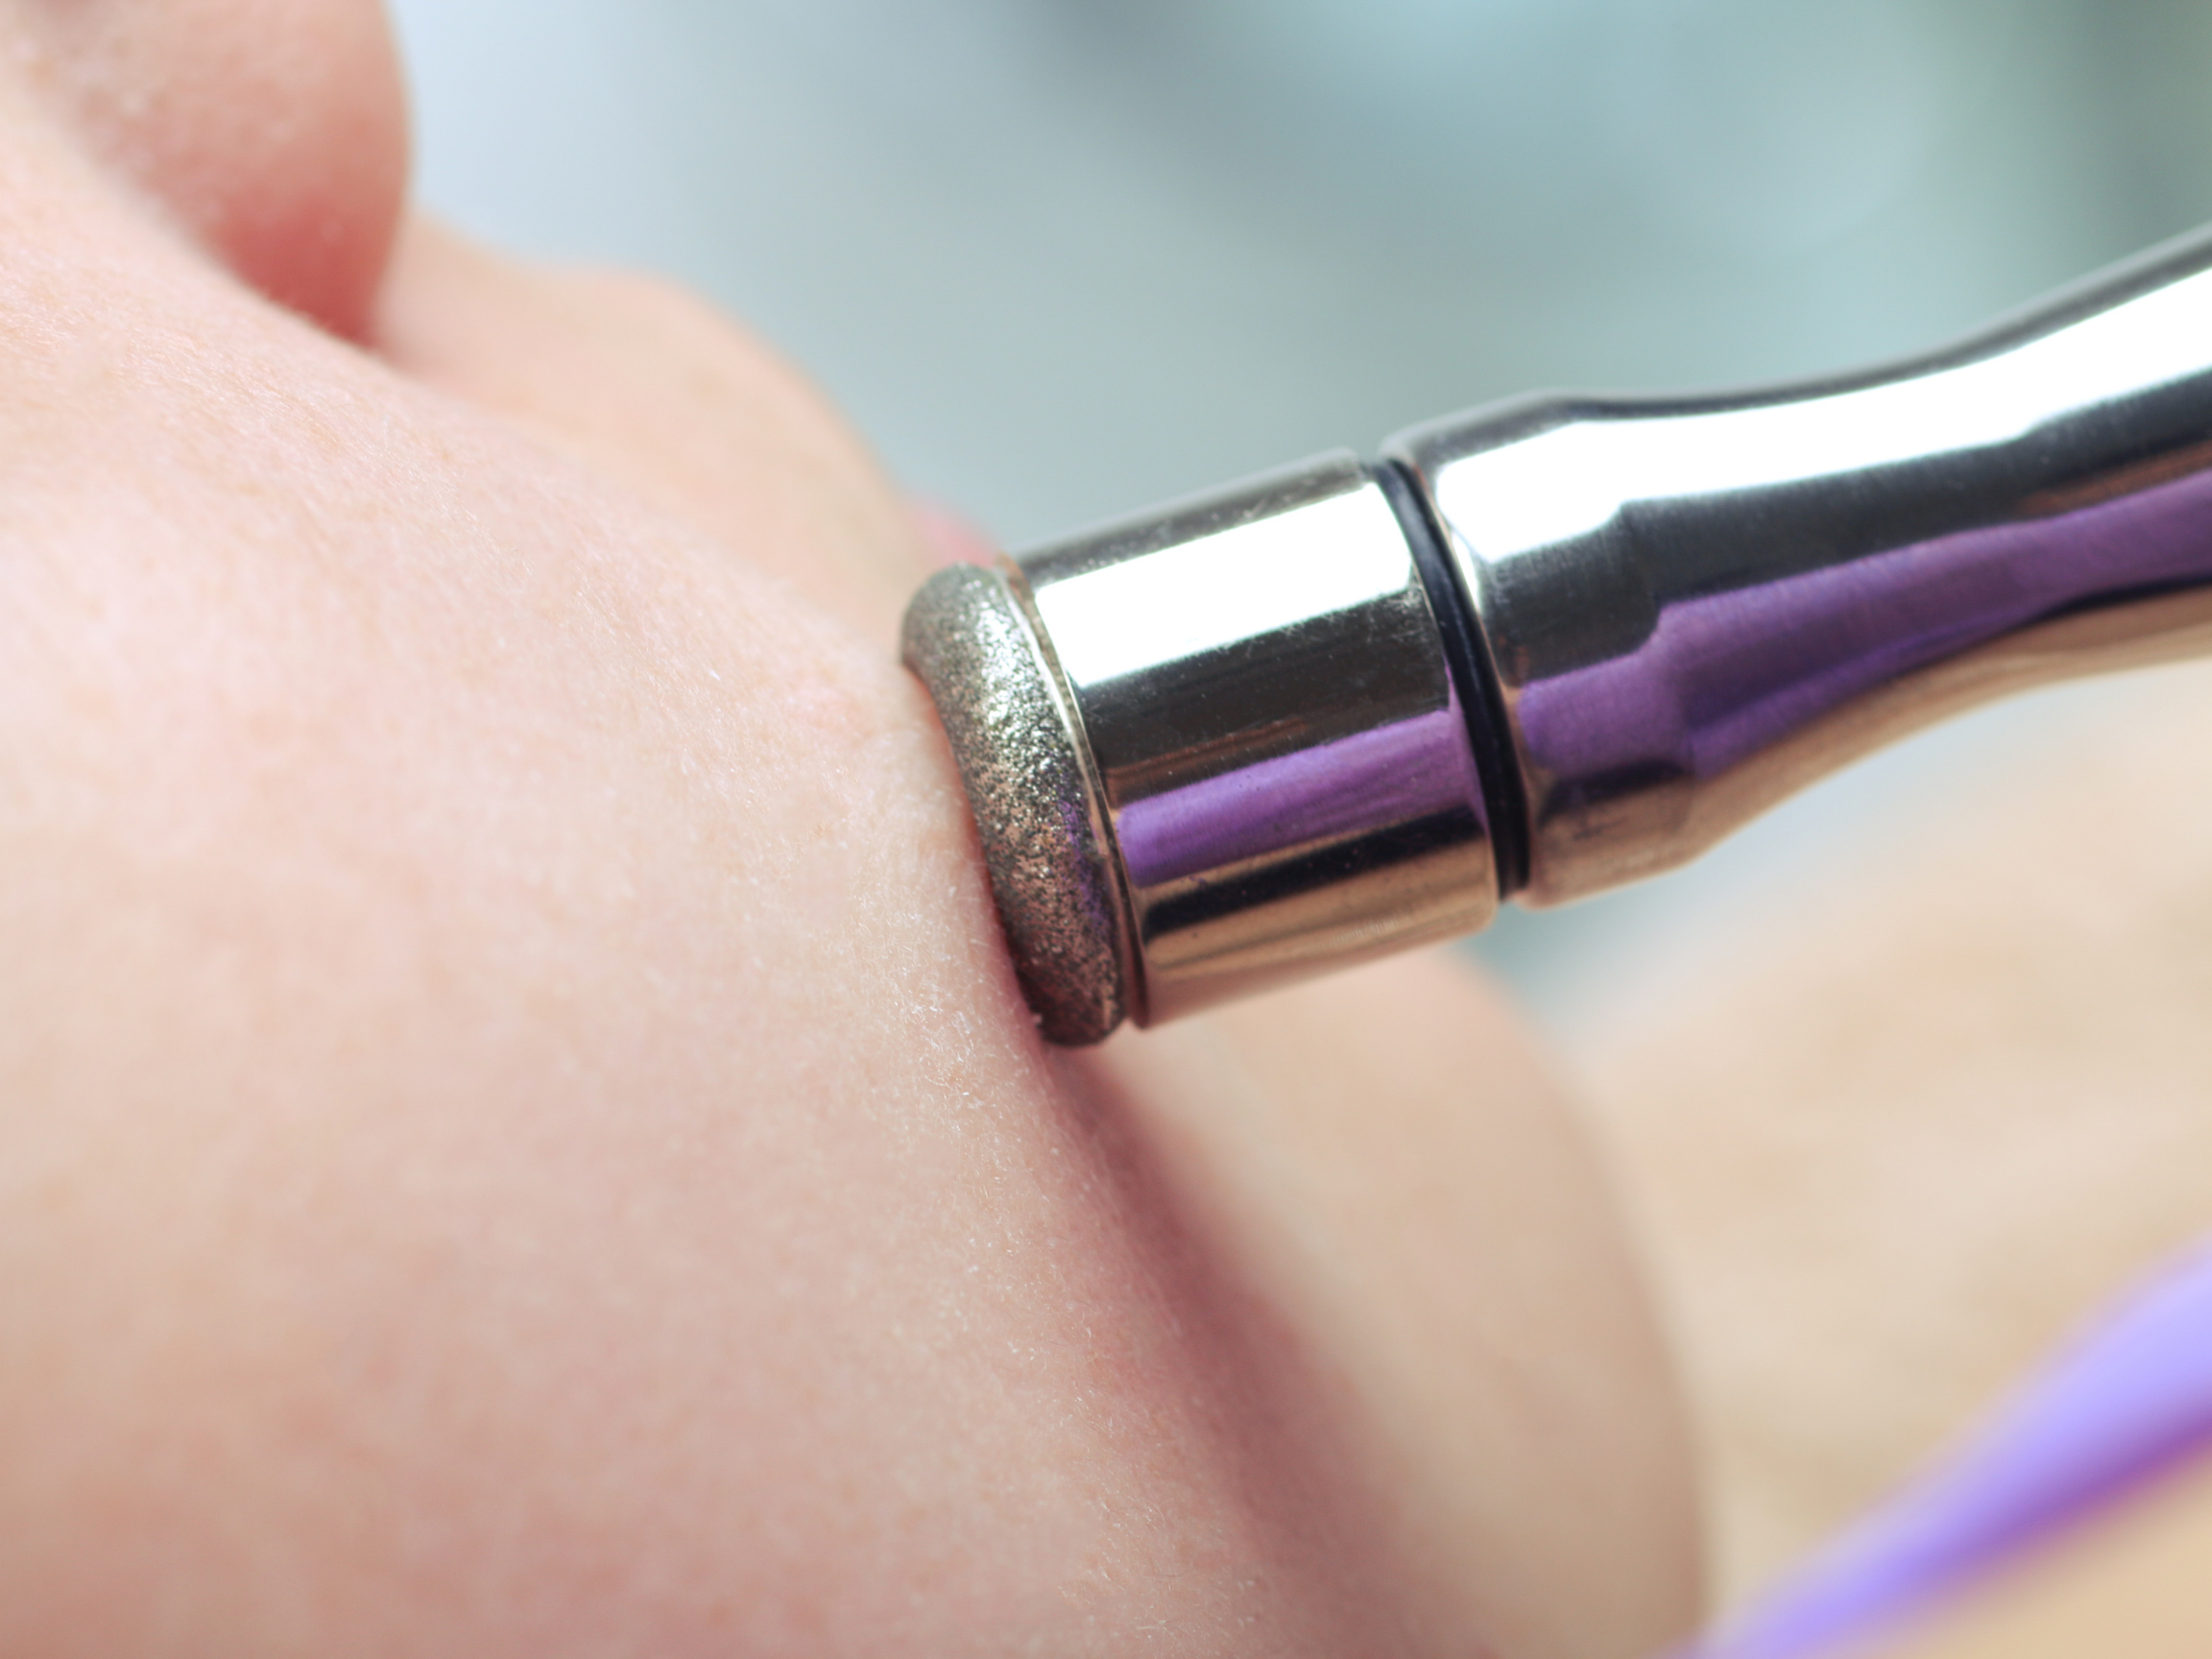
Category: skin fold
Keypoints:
(518, 1130)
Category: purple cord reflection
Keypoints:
(1401, 773)
(1727, 676)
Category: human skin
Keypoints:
(1903, 1114)
(517, 1130)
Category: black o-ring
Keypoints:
(1504, 797)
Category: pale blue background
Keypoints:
(1062, 259)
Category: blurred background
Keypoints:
(1062, 259)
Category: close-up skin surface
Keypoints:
(517, 1130)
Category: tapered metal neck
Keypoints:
(1695, 605)
(1558, 644)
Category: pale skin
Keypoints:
(518, 1131)
(516, 1128)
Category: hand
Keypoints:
(518, 1131)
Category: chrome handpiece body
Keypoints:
(1555, 645)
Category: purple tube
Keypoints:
(2130, 1401)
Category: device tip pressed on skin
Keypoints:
(1037, 811)
(1212, 749)
(1552, 647)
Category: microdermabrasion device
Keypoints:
(1553, 645)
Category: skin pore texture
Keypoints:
(517, 1130)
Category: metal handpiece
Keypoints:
(1555, 645)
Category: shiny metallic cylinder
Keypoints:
(1555, 645)
(1275, 750)
(1279, 749)
(1692, 607)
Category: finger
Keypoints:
(652, 387)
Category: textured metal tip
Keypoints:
(1036, 810)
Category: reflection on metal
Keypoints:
(1695, 607)
(1272, 739)
(1566, 642)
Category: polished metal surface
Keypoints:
(1254, 725)
(1693, 606)
(1282, 753)
(1275, 761)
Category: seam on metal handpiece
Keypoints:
(1505, 804)
(1564, 642)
